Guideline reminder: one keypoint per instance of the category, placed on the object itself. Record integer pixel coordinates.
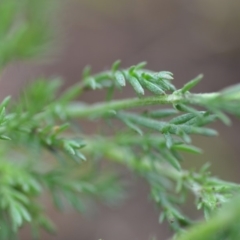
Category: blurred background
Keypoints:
(186, 37)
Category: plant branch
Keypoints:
(80, 111)
(109, 149)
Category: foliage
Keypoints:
(43, 147)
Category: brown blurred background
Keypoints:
(186, 37)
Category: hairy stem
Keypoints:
(79, 111)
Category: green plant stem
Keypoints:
(77, 110)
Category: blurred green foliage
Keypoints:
(44, 149)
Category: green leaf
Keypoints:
(169, 140)
(232, 92)
(92, 82)
(223, 117)
(5, 101)
(3, 137)
(152, 87)
(18, 196)
(162, 217)
(185, 108)
(86, 72)
(182, 118)
(166, 85)
(69, 148)
(81, 156)
(120, 78)
(25, 214)
(2, 115)
(47, 224)
(162, 113)
(71, 93)
(202, 120)
(116, 65)
(16, 216)
(199, 130)
(187, 148)
(171, 159)
(131, 70)
(185, 136)
(165, 75)
(140, 65)
(133, 127)
(188, 86)
(136, 85)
